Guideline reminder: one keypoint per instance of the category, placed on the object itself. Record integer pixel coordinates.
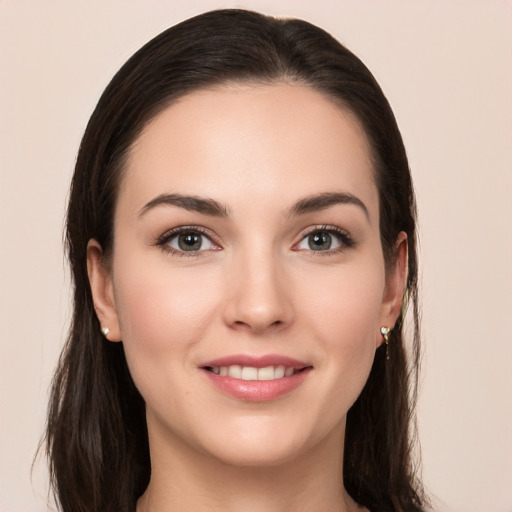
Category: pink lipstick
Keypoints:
(256, 378)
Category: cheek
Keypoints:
(345, 316)
(162, 314)
(348, 300)
(158, 303)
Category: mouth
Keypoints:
(256, 379)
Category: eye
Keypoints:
(183, 240)
(319, 241)
(325, 240)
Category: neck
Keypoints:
(187, 480)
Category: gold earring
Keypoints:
(385, 334)
(105, 331)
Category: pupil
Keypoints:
(320, 241)
(190, 242)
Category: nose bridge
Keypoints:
(258, 298)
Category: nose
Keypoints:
(258, 295)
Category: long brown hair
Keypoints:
(97, 439)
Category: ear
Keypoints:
(100, 280)
(396, 282)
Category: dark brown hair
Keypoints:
(96, 436)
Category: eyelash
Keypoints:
(162, 241)
(343, 236)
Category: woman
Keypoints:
(241, 232)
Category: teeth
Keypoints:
(250, 373)
(266, 373)
(279, 372)
(235, 371)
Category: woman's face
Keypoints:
(247, 280)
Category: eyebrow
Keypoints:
(213, 208)
(193, 203)
(325, 200)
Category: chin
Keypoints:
(257, 456)
(268, 442)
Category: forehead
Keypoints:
(250, 140)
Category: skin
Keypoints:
(258, 287)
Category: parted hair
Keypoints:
(96, 438)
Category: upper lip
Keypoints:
(256, 361)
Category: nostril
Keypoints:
(257, 326)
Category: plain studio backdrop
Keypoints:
(446, 68)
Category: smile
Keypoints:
(256, 379)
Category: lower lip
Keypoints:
(258, 390)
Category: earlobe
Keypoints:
(100, 280)
(396, 282)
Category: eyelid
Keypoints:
(346, 239)
(163, 240)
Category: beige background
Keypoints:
(446, 67)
